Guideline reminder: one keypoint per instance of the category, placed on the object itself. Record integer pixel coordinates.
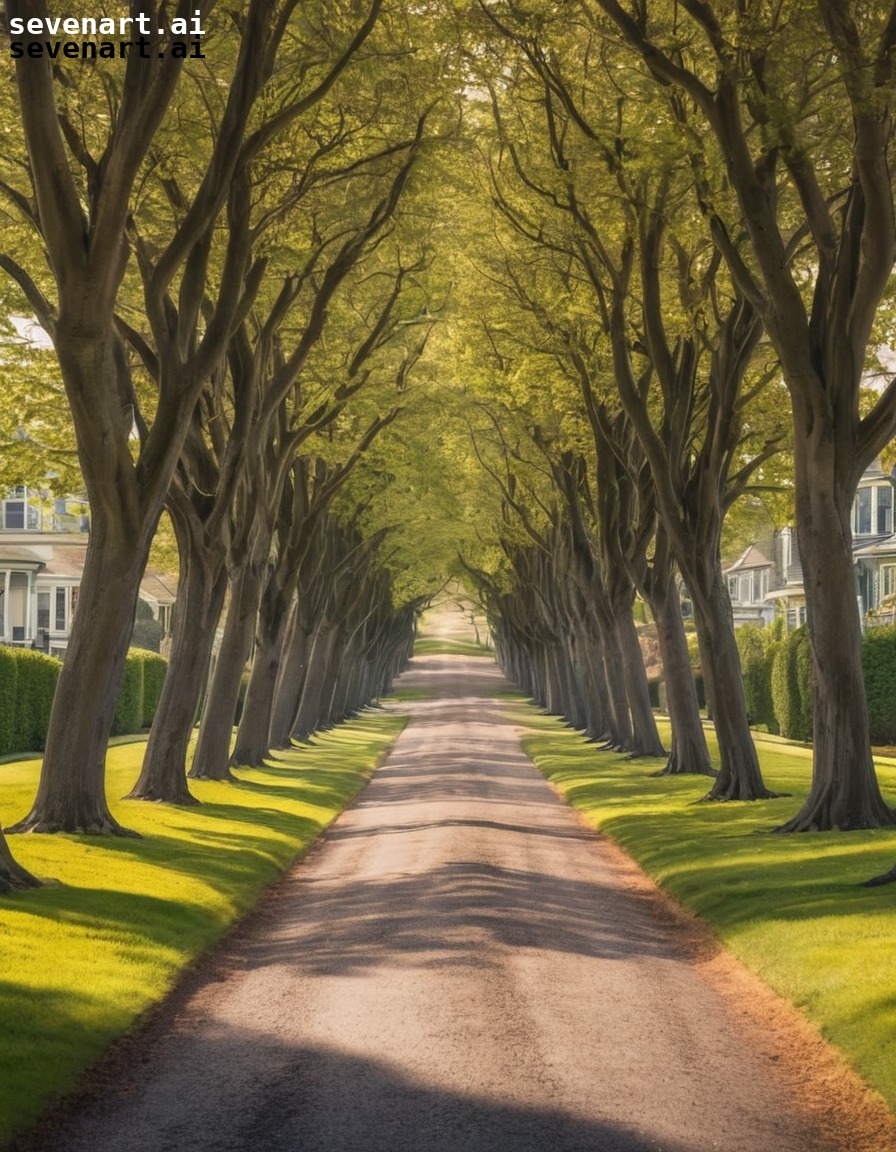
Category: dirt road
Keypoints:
(459, 966)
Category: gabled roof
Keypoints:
(160, 588)
(751, 558)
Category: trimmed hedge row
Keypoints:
(791, 685)
(777, 674)
(879, 666)
(28, 682)
(141, 687)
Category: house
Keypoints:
(43, 545)
(787, 594)
(874, 548)
(749, 579)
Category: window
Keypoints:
(887, 580)
(53, 609)
(872, 511)
(746, 588)
(885, 510)
(60, 609)
(732, 587)
(861, 515)
(13, 514)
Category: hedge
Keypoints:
(27, 685)
(129, 707)
(879, 667)
(154, 669)
(757, 647)
(9, 675)
(791, 685)
(777, 673)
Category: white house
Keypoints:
(43, 545)
(781, 577)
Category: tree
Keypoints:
(12, 874)
(680, 343)
(806, 143)
(86, 210)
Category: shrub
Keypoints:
(757, 651)
(36, 676)
(9, 675)
(792, 686)
(805, 681)
(147, 635)
(879, 666)
(154, 669)
(129, 708)
(147, 632)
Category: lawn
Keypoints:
(118, 919)
(790, 907)
(433, 646)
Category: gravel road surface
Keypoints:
(459, 966)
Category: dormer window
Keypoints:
(872, 512)
(20, 512)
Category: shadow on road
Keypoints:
(454, 915)
(320, 1100)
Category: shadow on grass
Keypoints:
(32, 1057)
(104, 911)
(720, 859)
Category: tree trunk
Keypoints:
(211, 760)
(336, 655)
(71, 796)
(621, 735)
(688, 753)
(252, 740)
(844, 792)
(588, 659)
(200, 597)
(645, 737)
(322, 650)
(12, 874)
(288, 691)
(740, 777)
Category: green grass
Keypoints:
(106, 938)
(432, 647)
(790, 907)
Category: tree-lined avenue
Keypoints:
(460, 965)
